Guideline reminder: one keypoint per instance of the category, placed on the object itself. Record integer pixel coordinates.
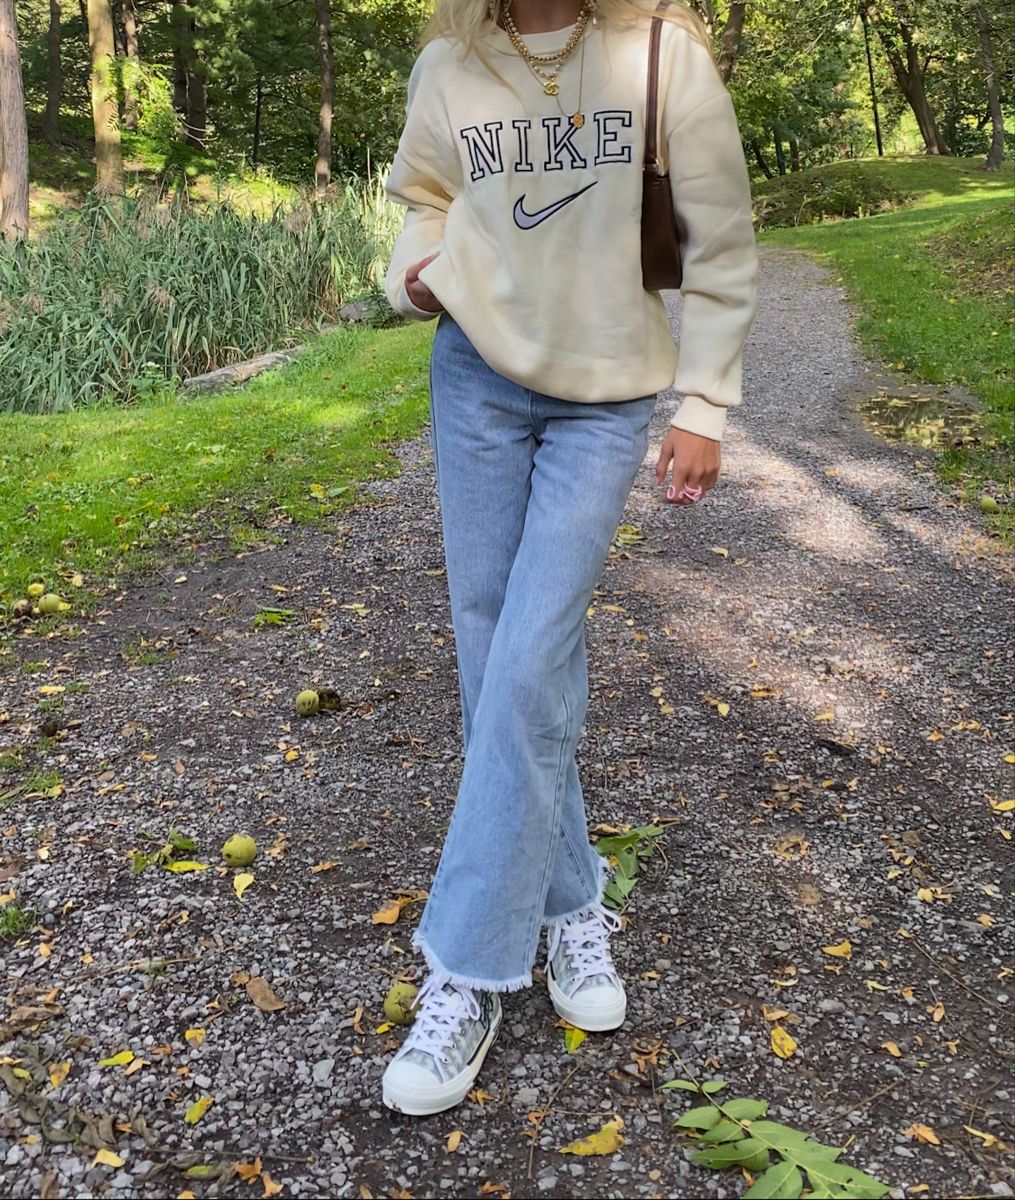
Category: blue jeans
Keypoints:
(531, 491)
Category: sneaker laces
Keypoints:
(443, 1008)
(586, 943)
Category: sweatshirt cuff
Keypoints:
(406, 307)
(697, 415)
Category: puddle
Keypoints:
(930, 422)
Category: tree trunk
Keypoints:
(102, 46)
(326, 60)
(780, 154)
(130, 46)
(179, 22)
(909, 76)
(197, 105)
(54, 77)
(794, 154)
(870, 77)
(255, 156)
(13, 131)
(996, 152)
(759, 158)
(731, 37)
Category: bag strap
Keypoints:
(652, 97)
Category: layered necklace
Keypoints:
(546, 67)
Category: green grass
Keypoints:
(15, 920)
(104, 491)
(933, 298)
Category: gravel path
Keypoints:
(855, 623)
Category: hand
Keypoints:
(418, 292)
(695, 462)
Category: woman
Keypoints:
(520, 166)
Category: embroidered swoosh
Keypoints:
(526, 220)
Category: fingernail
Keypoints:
(671, 493)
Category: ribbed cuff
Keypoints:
(697, 415)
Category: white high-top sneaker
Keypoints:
(439, 1060)
(584, 985)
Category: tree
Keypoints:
(901, 38)
(130, 47)
(13, 131)
(996, 152)
(105, 117)
(54, 76)
(326, 58)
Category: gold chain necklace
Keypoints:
(546, 67)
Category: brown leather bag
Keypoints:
(660, 237)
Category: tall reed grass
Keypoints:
(114, 301)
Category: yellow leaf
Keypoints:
(387, 915)
(196, 1035)
(117, 1060)
(825, 716)
(106, 1158)
(186, 1194)
(721, 551)
(454, 1140)
(573, 1038)
(986, 919)
(45, 950)
(197, 1110)
(137, 1065)
(185, 864)
(248, 1172)
(6, 897)
(322, 866)
(240, 884)
(292, 755)
(607, 1140)
(843, 949)
(988, 1139)
(936, 736)
(922, 1133)
(724, 708)
(1002, 805)
(259, 990)
(937, 1012)
(50, 689)
(1009, 758)
(271, 1188)
(925, 894)
(782, 1042)
(58, 1072)
(775, 1014)
(21, 1072)
(892, 1049)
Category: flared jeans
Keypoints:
(531, 491)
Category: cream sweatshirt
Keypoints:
(536, 223)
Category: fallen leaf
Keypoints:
(892, 1049)
(322, 866)
(986, 919)
(58, 1072)
(874, 986)
(783, 1043)
(922, 1133)
(723, 708)
(248, 1172)
(185, 864)
(44, 950)
(937, 1012)
(454, 1140)
(843, 949)
(988, 1139)
(825, 716)
(573, 1038)
(607, 1140)
(775, 1014)
(271, 1188)
(197, 1110)
(263, 997)
(390, 912)
(1002, 806)
(117, 1060)
(240, 884)
(721, 551)
(107, 1158)
(137, 1065)
(195, 1036)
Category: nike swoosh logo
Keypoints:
(526, 220)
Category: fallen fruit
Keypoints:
(21, 609)
(988, 504)
(307, 703)
(400, 1003)
(240, 850)
(49, 605)
(35, 590)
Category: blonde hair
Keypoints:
(465, 21)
